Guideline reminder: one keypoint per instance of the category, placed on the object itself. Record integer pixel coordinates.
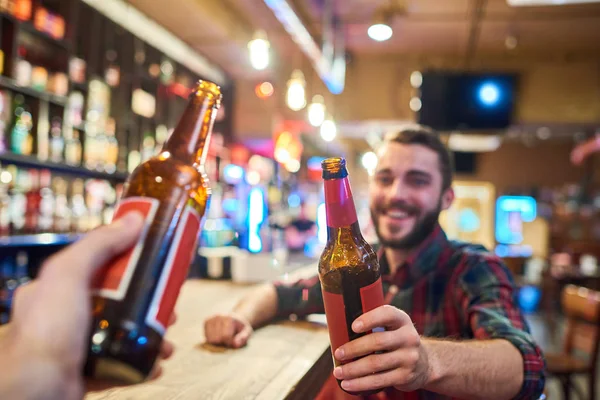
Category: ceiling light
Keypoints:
(380, 32)
(416, 79)
(369, 161)
(259, 50)
(316, 111)
(415, 104)
(328, 130)
(296, 96)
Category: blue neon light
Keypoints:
(255, 218)
(294, 200)
(142, 340)
(489, 94)
(511, 212)
(233, 173)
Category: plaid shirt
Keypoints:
(450, 290)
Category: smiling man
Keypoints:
(453, 328)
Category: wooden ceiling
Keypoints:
(220, 29)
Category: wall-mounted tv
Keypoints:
(467, 101)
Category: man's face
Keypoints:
(406, 194)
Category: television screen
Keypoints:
(466, 101)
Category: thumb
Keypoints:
(81, 259)
(242, 337)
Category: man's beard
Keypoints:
(421, 230)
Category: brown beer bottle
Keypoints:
(348, 268)
(134, 296)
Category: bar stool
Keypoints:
(579, 356)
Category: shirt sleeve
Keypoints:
(301, 297)
(488, 296)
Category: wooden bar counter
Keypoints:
(286, 360)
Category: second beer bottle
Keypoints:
(134, 296)
(348, 267)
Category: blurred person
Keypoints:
(453, 326)
(42, 349)
(300, 230)
(583, 150)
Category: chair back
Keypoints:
(582, 309)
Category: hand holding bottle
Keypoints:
(43, 346)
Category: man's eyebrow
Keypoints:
(384, 171)
(418, 173)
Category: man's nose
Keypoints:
(398, 190)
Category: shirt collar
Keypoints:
(422, 260)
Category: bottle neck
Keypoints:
(189, 140)
(339, 209)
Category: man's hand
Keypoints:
(401, 361)
(231, 330)
(51, 317)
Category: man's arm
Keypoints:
(267, 302)
(478, 369)
(259, 307)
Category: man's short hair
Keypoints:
(427, 137)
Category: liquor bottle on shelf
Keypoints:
(112, 147)
(162, 134)
(90, 148)
(73, 148)
(18, 203)
(21, 141)
(46, 217)
(5, 180)
(100, 151)
(133, 160)
(57, 143)
(33, 200)
(62, 212)
(148, 147)
(110, 199)
(79, 211)
(5, 118)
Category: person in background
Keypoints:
(453, 326)
(42, 349)
(300, 230)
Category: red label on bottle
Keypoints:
(340, 208)
(175, 270)
(371, 297)
(113, 280)
(335, 312)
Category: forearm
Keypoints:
(258, 307)
(478, 369)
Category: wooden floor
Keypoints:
(549, 337)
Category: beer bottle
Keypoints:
(348, 267)
(135, 294)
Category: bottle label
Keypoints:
(113, 280)
(339, 204)
(339, 327)
(173, 275)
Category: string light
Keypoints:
(259, 50)
(316, 111)
(296, 94)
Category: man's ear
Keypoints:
(447, 198)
